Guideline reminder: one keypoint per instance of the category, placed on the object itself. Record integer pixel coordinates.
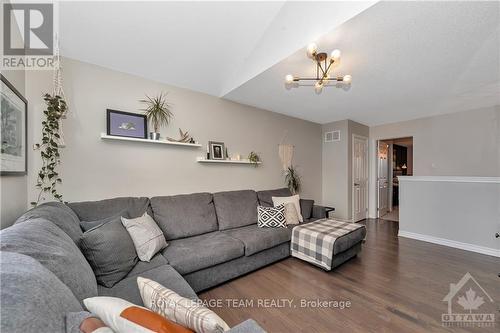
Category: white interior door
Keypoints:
(359, 178)
(382, 178)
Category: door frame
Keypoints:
(367, 171)
(377, 185)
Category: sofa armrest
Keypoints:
(248, 326)
(319, 212)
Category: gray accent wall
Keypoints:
(95, 169)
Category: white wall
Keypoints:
(13, 191)
(95, 169)
(457, 144)
(337, 166)
(462, 212)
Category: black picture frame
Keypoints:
(11, 87)
(217, 150)
(140, 133)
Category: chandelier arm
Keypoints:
(322, 71)
(314, 79)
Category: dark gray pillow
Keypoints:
(57, 213)
(32, 298)
(87, 225)
(110, 252)
(49, 245)
(306, 207)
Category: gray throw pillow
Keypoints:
(110, 252)
(87, 225)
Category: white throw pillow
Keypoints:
(291, 215)
(108, 309)
(295, 199)
(181, 310)
(147, 236)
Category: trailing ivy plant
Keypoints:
(48, 177)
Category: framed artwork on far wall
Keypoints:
(13, 130)
(127, 124)
(217, 150)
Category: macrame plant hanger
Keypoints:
(58, 89)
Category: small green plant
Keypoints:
(292, 180)
(254, 158)
(157, 111)
(48, 177)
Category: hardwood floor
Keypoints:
(394, 285)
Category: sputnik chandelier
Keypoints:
(323, 67)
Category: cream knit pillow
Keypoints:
(295, 199)
(147, 236)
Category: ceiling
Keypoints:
(408, 59)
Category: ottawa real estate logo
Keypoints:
(469, 305)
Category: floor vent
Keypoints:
(332, 136)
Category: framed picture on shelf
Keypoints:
(127, 124)
(13, 130)
(217, 150)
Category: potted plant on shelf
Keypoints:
(158, 113)
(254, 158)
(292, 179)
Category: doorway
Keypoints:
(394, 159)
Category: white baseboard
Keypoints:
(451, 243)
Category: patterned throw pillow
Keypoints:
(183, 311)
(271, 217)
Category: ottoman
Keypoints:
(327, 243)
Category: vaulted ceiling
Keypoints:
(407, 59)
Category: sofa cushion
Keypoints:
(59, 214)
(45, 242)
(164, 274)
(306, 208)
(32, 298)
(236, 208)
(143, 266)
(258, 239)
(97, 210)
(110, 251)
(185, 215)
(194, 253)
(265, 197)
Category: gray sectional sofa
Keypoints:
(212, 238)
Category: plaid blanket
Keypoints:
(313, 242)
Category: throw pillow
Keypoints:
(110, 252)
(291, 215)
(271, 217)
(183, 311)
(123, 316)
(87, 225)
(295, 199)
(147, 236)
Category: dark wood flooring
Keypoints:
(394, 285)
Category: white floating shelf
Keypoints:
(164, 142)
(245, 161)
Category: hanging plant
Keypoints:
(292, 180)
(48, 177)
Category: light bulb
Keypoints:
(289, 78)
(318, 87)
(347, 79)
(335, 54)
(311, 50)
